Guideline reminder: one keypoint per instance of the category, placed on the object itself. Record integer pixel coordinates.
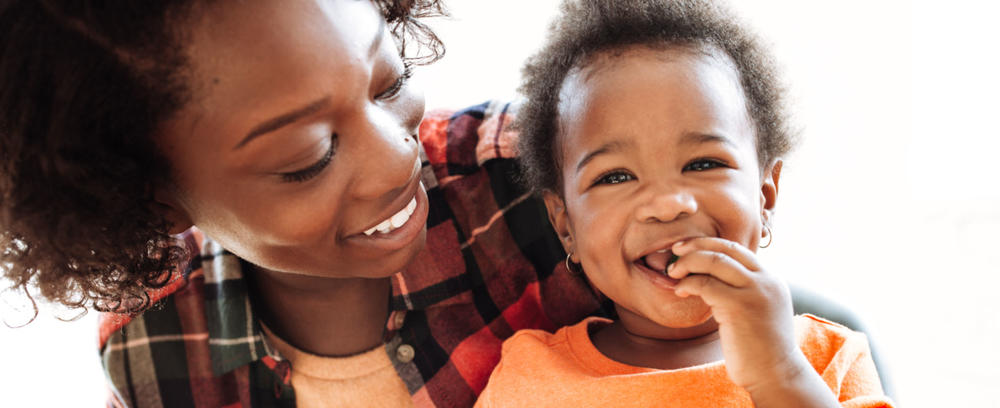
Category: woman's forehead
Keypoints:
(251, 63)
(280, 39)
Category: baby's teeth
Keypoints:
(662, 251)
(371, 231)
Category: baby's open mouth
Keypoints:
(659, 260)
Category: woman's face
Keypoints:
(656, 148)
(300, 137)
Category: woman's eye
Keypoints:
(313, 170)
(397, 86)
(703, 164)
(617, 177)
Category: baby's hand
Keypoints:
(752, 306)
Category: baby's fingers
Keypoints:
(717, 264)
(703, 286)
(734, 250)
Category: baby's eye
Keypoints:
(703, 164)
(615, 177)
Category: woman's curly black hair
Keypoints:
(586, 29)
(83, 87)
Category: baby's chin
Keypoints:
(681, 313)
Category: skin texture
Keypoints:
(318, 281)
(657, 152)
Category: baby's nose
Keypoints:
(665, 204)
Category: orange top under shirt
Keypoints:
(540, 369)
(365, 380)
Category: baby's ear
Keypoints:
(558, 218)
(769, 190)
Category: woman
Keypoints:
(323, 258)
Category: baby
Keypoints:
(655, 132)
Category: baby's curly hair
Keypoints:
(83, 87)
(588, 28)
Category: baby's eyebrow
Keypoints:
(609, 147)
(701, 138)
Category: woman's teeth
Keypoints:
(397, 220)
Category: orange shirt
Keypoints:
(539, 369)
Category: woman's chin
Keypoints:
(403, 257)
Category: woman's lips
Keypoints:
(413, 220)
(396, 220)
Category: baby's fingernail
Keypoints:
(677, 244)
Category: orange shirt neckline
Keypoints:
(589, 357)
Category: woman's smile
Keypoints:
(405, 226)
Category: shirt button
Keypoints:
(405, 353)
(399, 319)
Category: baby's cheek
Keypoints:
(598, 238)
(743, 223)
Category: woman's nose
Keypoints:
(387, 158)
(664, 203)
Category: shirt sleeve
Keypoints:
(843, 359)
(860, 386)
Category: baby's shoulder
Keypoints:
(530, 339)
(823, 340)
(535, 346)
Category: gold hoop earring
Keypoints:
(770, 236)
(576, 270)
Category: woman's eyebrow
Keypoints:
(282, 120)
(609, 147)
(279, 121)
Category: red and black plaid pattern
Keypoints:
(491, 266)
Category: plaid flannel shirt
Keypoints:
(491, 266)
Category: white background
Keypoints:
(891, 204)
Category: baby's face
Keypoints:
(656, 147)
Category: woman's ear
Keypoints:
(559, 219)
(769, 190)
(172, 211)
